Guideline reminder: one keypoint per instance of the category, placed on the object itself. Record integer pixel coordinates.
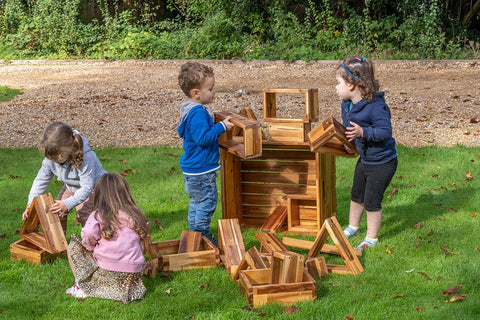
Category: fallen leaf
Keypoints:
(171, 199)
(291, 310)
(123, 161)
(441, 218)
(437, 203)
(398, 296)
(451, 290)
(388, 251)
(418, 244)
(474, 214)
(425, 275)
(439, 278)
(419, 225)
(348, 317)
(251, 309)
(469, 176)
(392, 192)
(419, 309)
(104, 159)
(154, 174)
(203, 285)
(446, 251)
(3, 236)
(168, 291)
(13, 177)
(457, 298)
(429, 232)
(452, 210)
(171, 154)
(158, 224)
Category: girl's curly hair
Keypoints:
(360, 72)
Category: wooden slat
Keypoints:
(330, 137)
(287, 267)
(279, 166)
(317, 267)
(190, 260)
(231, 243)
(231, 186)
(189, 241)
(276, 177)
(252, 260)
(262, 200)
(276, 221)
(277, 189)
(287, 154)
(270, 242)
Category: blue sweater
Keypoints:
(200, 139)
(377, 146)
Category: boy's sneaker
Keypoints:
(367, 243)
(76, 292)
(349, 232)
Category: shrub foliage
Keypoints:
(239, 29)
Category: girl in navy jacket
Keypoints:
(367, 119)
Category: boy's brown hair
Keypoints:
(192, 75)
(360, 72)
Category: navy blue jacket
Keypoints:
(200, 139)
(377, 146)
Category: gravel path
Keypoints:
(136, 103)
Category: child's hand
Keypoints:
(25, 214)
(59, 208)
(354, 132)
(227, 123)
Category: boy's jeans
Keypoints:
(202, 191)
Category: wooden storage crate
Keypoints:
(247, 146)
(208, 256)
(257, 290)
(24, 250)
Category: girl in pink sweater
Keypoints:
(108, 261)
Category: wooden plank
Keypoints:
(231, 243)
(231, 186)
(287, 267)
(287, 154)
(307, 244)
(276, 221)
(270, 242)
(252, 260)
(37, 239)
(264, 200)
(317, 267)
(190, 260)
(24, 250)
(292, 166)
(39, 216)
(277, 189)
(291, 132)
(189, 241)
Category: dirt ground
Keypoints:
(136, 103)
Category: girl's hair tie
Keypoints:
(348, 71)
(361, 59)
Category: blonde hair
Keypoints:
(360, 72)
(192, 76)
(111, 194)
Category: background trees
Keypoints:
(241, 29)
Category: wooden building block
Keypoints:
(270, 243)
(207, 257)
(276, 221)
(317, 267)
(287, 267)
(189, 241)
(288, 132)
(51, 238)
(251, 260)
(329, 137)
(302, 214)
(24, 250)
(307, 244)
(256, 288)
(251, 144)
(332, 227)
(231, 245)
(270, 104)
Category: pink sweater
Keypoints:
(122, 253)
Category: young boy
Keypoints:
(199, 162)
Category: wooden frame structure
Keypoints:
(253, 187)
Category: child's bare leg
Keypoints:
(356, 213)
(374, 220)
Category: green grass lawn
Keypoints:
(404, 277)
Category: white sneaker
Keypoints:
(76, 292)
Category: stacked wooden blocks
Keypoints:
(38, 246)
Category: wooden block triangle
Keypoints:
(189, 241)
(230, 243)
(51, 238)
(251, 260)
(332, 227)
(277, 220)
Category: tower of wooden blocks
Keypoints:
(42, 234)
(286, 177)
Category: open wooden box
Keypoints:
(24, 250)
(256, 288)
(208, 255)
